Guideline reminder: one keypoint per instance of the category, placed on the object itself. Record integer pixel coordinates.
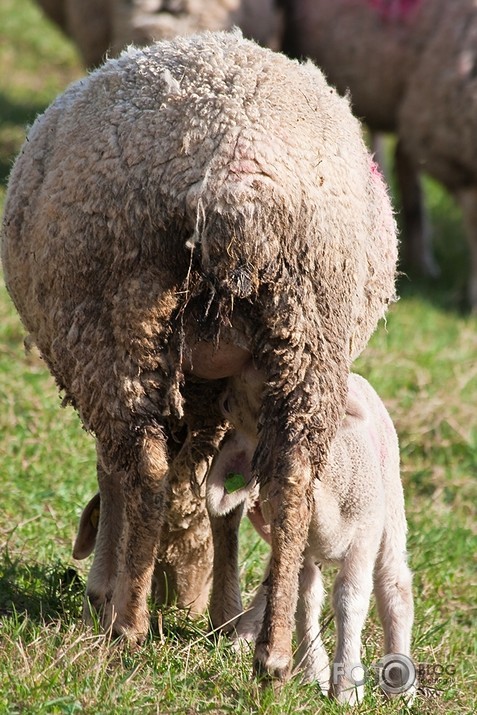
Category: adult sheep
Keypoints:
(409, 66)
(141, 23)
(181, 209)
(98, 27)
(88, 23)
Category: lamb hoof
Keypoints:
(347, 694)
(272, 665)
(242, 643)
(314, 667)
(398, 677)
(408, 696)
(320, 677)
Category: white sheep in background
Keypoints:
(357, 521)
(101, 27)
(410, 68)
(181, 209)
(141, 23)
(88, 23)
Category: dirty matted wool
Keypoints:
(148, 176)
(183, 210)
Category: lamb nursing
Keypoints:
(182, 209)
(357, 520)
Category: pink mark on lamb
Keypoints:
(394, 10)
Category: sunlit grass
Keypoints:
(423, 363)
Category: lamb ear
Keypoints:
(87, 530)
(230, 480)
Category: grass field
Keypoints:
(424, 365)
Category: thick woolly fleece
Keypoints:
(157, 153)
(202, 189)
(367, 47)
(410, 68)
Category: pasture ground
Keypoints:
(424, 365)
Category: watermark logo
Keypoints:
(396, 673)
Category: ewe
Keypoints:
(181, 209)
(409, 66)
(357, 520)
(99, 27)
(88, 23)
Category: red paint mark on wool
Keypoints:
(394, 9)
(375, 170)
(387, 217)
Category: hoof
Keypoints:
(93, 607)
(272, 665)
(347, 694)
(132, 627)
(242, 643)
(407, 696)
(314, 675)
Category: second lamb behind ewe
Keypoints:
(358, 521)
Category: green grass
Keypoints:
(36, 63)
(423, 363)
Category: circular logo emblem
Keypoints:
(396, 673)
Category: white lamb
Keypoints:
(358, 521)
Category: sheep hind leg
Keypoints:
(417, 240)
(311, 657)
(103, 572)
(226, 601)
(126, 614)
(289, 505)
(468, 203)
(351, 596)
(393, 591)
